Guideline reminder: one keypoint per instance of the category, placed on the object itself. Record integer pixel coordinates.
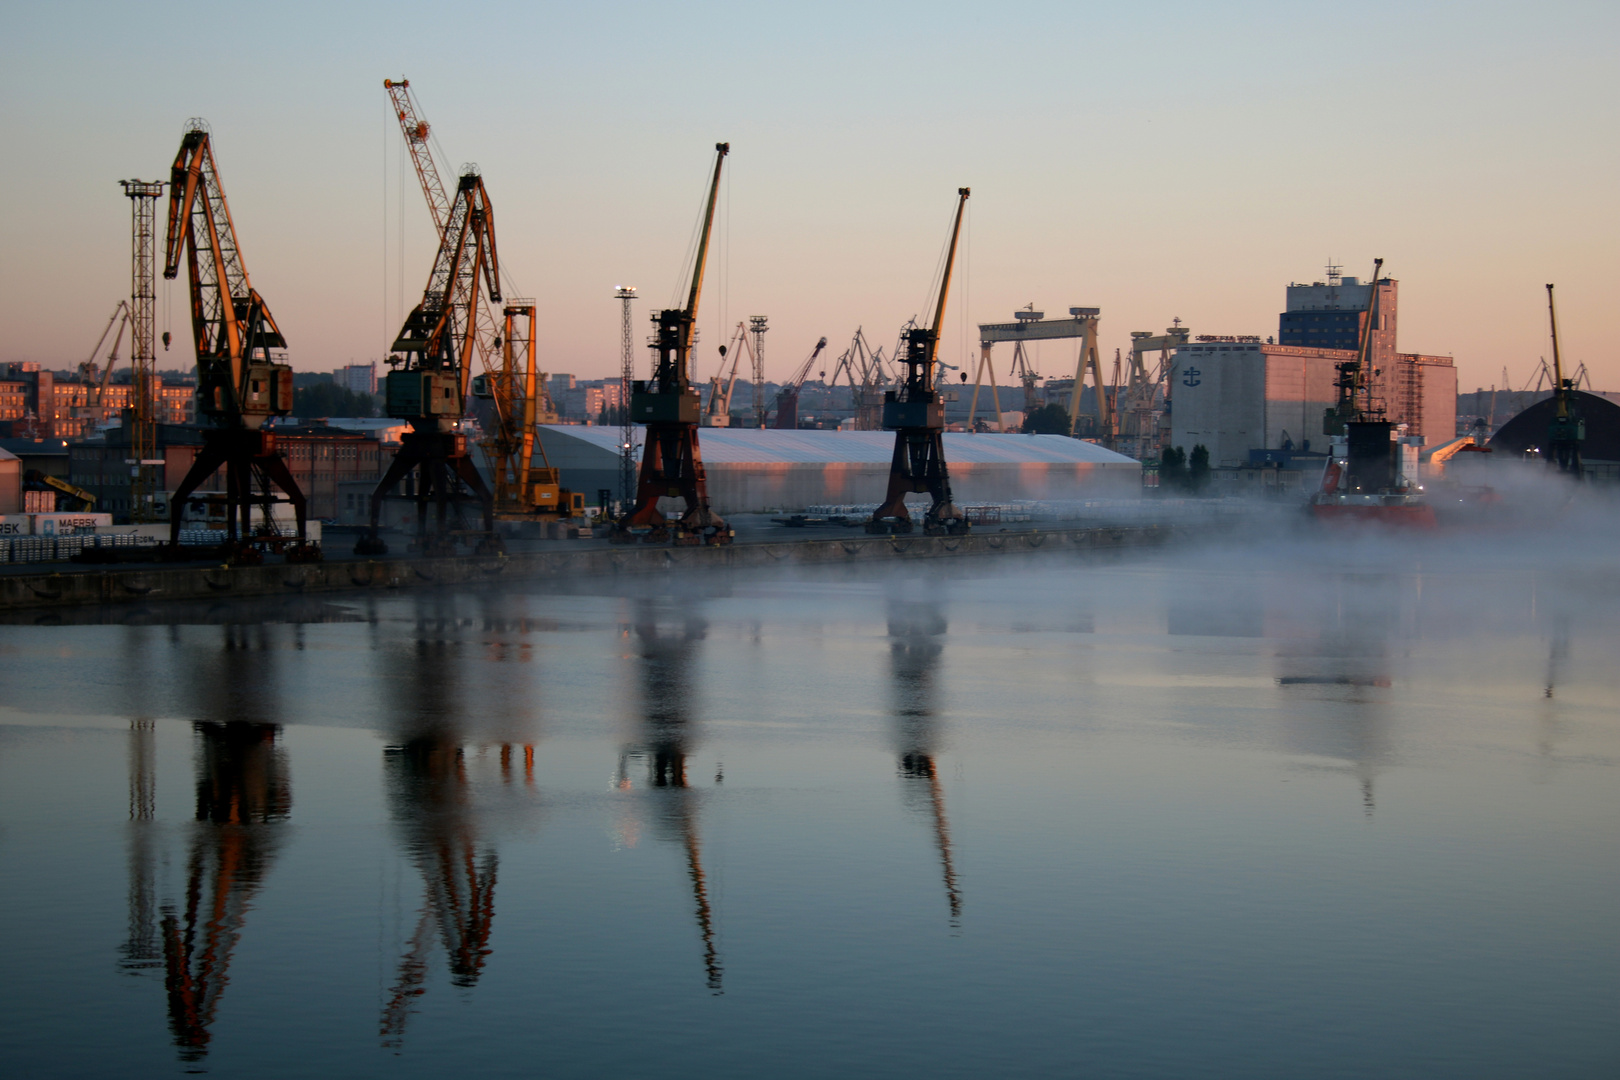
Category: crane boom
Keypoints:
(416, 131)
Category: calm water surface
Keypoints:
(1250, 812)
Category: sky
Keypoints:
(1155, 160)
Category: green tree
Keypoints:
(1173, 469)
(330, 399)
(1198, 468)
(1050, 419)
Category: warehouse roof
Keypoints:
(755, 446)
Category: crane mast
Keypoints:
(915, 412)
(241, 383)
(670, 407)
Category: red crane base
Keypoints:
(671, 467)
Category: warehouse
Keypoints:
(756, 471)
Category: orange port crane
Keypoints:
(241, 383)
(669, 405)
(915, 412)
(506, 353)
(787, 398)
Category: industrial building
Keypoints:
(320, 458)
(752, 470)
(1253, 402)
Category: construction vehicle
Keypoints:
(669, 405)
(916, 414)
(1566, 431)
(787, 398)
(241, 382)
(717, 411)
(429, 383)
(39, 481)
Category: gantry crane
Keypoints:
(787, 398)
(432, 367)
(669, 406)
(916, 414)
(717, 410)
(241, 383)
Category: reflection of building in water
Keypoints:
(916, 643)
(432, 799)
(666, 736)
(243, 794)
(1340, 677)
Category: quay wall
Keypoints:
(125, 584)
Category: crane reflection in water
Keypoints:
(666, 655)
(916, 644)
(243, 799)
(435, 795)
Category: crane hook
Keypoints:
(165, 341)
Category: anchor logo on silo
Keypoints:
(1190, 377)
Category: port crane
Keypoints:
(915, 412)
(94, 375)
(1566, 431)
(787, 398)
(863, 369)
(669, 406)
(717, 412)
(429, 380)
(241, 382)
(524, 488)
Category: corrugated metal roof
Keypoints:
(753, 446)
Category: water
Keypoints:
(1215, 811)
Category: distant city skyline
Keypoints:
(1161, 161)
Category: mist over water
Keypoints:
(1263, 802)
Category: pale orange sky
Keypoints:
(1166, 160)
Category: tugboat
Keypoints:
(1371, 474)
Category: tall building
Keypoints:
(1246, 400)
(357, 378)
